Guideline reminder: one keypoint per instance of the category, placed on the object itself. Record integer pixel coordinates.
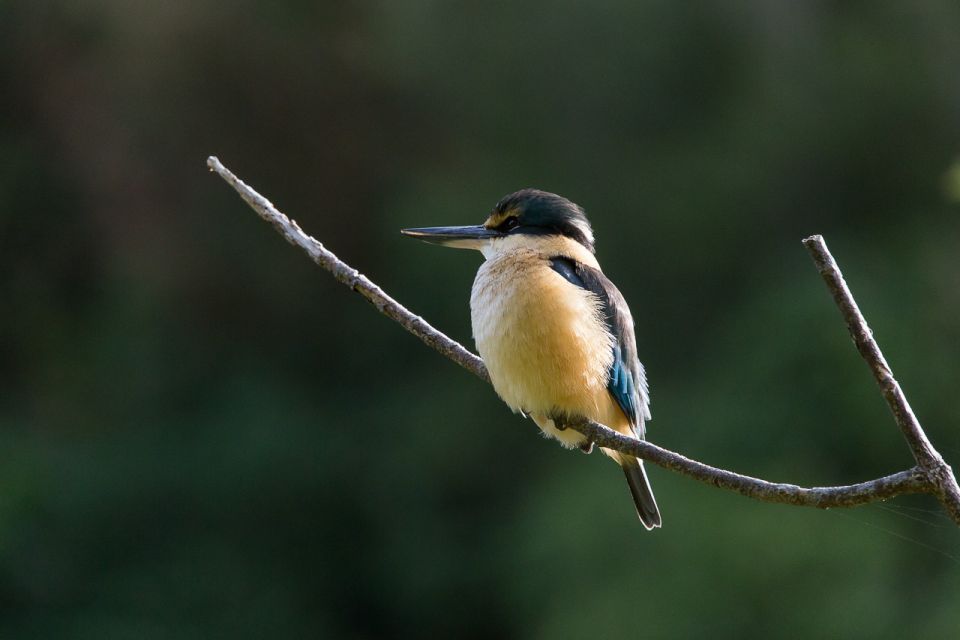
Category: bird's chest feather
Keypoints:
(542, 338)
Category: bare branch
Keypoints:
(349, 276)
(929, 459)
(909, 481)
(914, 480)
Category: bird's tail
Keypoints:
(642, 494)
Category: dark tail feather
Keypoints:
(642, 494)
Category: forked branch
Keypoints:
(937, 472)
(931, 475)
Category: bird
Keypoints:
(555, 334)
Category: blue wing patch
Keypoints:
(627, 382)
(621, 385)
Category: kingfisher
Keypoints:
(555, 334)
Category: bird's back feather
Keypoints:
(627, 382)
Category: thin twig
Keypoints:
(914, 480)
(928, 459)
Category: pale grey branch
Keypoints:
(914, 480)
(349, 276)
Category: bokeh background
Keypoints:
(203, 435)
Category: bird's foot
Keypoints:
(562, 422)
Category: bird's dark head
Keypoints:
(535, 212)
(527, 213)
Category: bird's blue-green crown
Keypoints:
(536, 212)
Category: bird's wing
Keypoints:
(628, 381)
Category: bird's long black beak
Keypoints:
(471, 237)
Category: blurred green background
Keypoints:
(203, 435)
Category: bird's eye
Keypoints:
(510, 224)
